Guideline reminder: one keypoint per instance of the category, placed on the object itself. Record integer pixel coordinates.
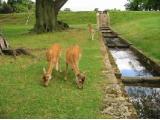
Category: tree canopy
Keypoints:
(16, 6)
(147, 5)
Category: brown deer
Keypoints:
(91, 31)
(53, 57)
(73, 55)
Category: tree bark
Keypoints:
(46, 15)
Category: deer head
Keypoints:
(80, 79)
(46, 77)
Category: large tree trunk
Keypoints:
(46, 15)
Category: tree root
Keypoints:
(16, 52)
(62, 25)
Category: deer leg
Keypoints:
(66, 71)
(77, 70)
(59, 63)
(93, 36)
(57, 66)
(90, 35)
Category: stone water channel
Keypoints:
(140, 74)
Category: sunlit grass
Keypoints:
(22, 94)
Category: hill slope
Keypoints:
(140, 28)
(71, 18)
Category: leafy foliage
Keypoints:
(16, 6)
(147, 5)
(5, 8)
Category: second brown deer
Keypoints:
(73, 55)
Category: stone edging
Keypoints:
(115, 102)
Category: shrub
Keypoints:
(5, 8)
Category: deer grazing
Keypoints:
(73, 55)
(53, 57)
(91, 31)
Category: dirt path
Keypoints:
(116, 103)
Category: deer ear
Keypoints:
(44, 70)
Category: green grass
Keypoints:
(140, 28)
(72, 18)
(22, 94)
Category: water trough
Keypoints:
(139, 73)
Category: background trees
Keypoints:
(147, 5)
(5, 8)
(16, 6)
(20, 5)
(46, 12)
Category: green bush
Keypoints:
(6, 8)
(18, 8)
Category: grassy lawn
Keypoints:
(72, 18)
(140, 28)
(21, 92)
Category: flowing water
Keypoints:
(129, 64)
(145, 99)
